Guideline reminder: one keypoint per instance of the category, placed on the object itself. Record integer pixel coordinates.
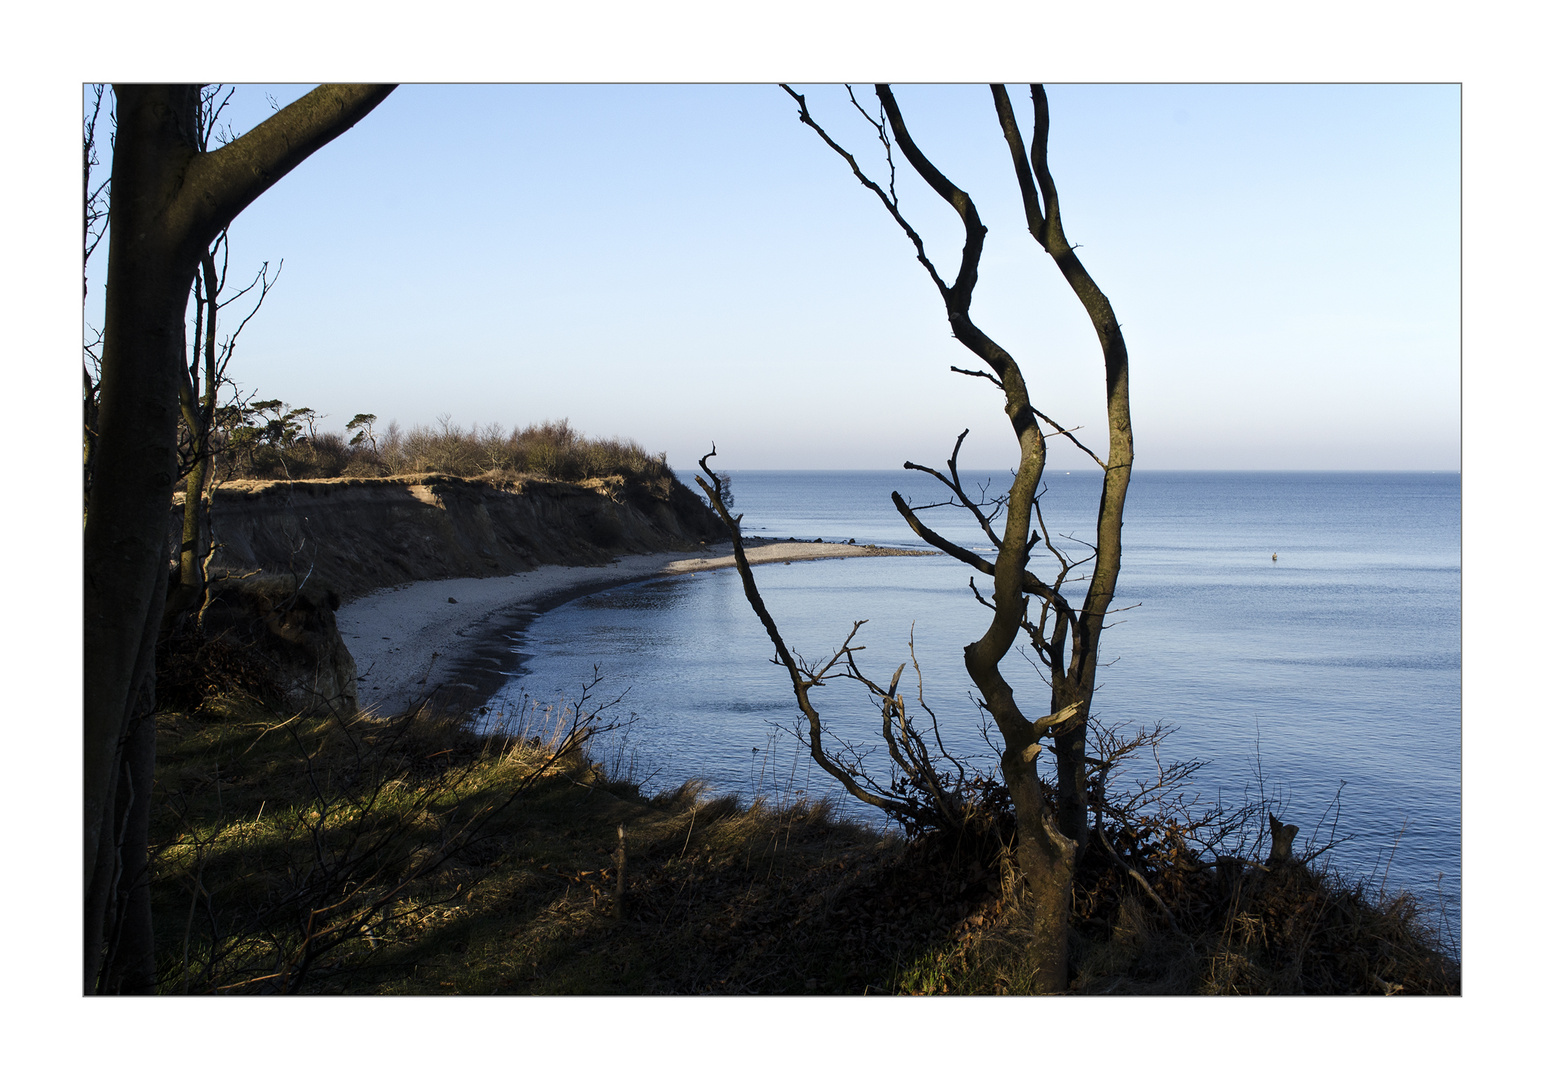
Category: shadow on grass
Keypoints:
(407, 855)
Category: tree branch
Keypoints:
(802, 680)
(1060, 430)
(888, 202)
(976, 232)
(1033, 216)
(953, 483)
(221, 184)
(989, 376)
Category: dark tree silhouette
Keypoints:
(170, 199)
(1063, 632)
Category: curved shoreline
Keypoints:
(451, 638)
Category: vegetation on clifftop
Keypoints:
(269, 440)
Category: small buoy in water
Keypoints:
(1273, 556)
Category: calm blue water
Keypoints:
(1336, 668)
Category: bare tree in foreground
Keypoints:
(1063, 633)
(169, 202)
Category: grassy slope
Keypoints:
(719, 899)
(409, 857)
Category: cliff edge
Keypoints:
(356, 535)
(316, 544)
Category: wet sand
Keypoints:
(450, 638)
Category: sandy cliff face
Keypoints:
(357, 535)
(322, 542)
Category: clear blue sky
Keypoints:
(687, 264)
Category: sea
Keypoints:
(1299, 632)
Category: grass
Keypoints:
(372, 856)
(364, 855)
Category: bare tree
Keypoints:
(1063, 631)
(204, 375)
(170, 200)
(96, 204)
(203, 378)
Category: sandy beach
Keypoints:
(412, 640)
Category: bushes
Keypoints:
(550, 450)
(329, 454)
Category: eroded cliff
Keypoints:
(318, 543)
(356, 535)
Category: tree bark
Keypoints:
(125, 533)
(120, 857)
(168, 203)
(1045, 859)
(132, 967)
(1043, 216)
(198, 415)
(195, 540)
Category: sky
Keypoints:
(689, 266)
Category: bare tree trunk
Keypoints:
(190, 584)
(1048, 840)
(169, 201)
(130, 967)
(200, 395)
(118, 931)
(136, 466)
(1043, 215)
(1045, 859)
